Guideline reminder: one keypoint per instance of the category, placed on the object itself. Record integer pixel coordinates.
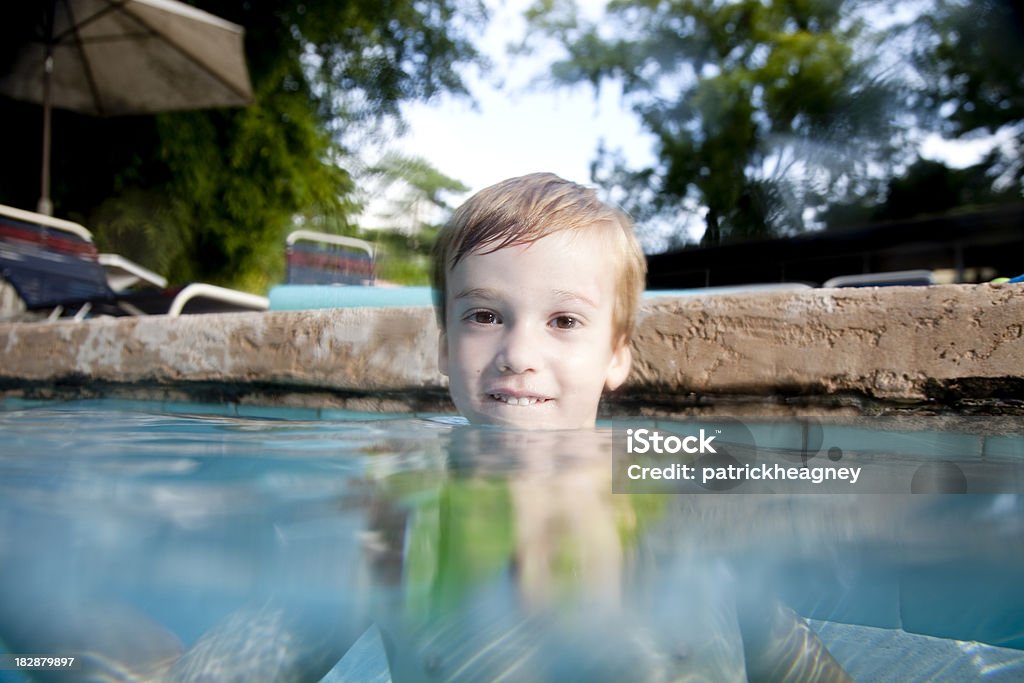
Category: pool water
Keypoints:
(187, 542)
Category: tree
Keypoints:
(969, 55)
(759, 108)
(411, 199)
(210, 195)
(927, 187)
(412, 192)
(963, 81)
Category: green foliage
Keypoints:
(424, 181)
(966, 83)
(970, 56)
(411, 217)
(759, 108)
(927, 188)
(410, 194)
(767, 111)
(404, 259)
(977, 54)
(237, 179)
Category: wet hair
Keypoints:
(521, 211)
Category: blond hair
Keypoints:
(522, 210)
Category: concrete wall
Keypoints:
(855, 350)
(958, 346)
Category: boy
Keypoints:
(536, 286)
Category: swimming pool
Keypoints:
(263, 543)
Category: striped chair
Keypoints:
(317, 258)
(51, 262)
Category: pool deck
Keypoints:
(954, 347)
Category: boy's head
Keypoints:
(536, 286)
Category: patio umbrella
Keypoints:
(114, 57)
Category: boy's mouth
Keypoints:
(518, 400)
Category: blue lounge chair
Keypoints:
(50, 262)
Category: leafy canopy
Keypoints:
(766, 113)
(758, 108)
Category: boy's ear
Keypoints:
(618, 368)
(442, 353)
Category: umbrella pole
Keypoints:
(45, 205)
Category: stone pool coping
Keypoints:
(956, 348)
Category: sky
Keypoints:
(517, 126)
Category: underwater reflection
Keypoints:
(519, 564)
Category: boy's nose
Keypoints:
(518, 352)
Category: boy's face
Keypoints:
(529, 340)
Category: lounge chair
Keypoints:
(51, 263)
(147, 292)
(332, 271)
(318, 258)
(54, 267)
(123, 274)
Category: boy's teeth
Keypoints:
(513, 401)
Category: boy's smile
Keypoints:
(530, 335)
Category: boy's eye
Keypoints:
(483, 317)
(565, 322)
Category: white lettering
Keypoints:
(646, 441)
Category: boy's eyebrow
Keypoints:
(478, 293)
(491, 294)
(570, 296)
